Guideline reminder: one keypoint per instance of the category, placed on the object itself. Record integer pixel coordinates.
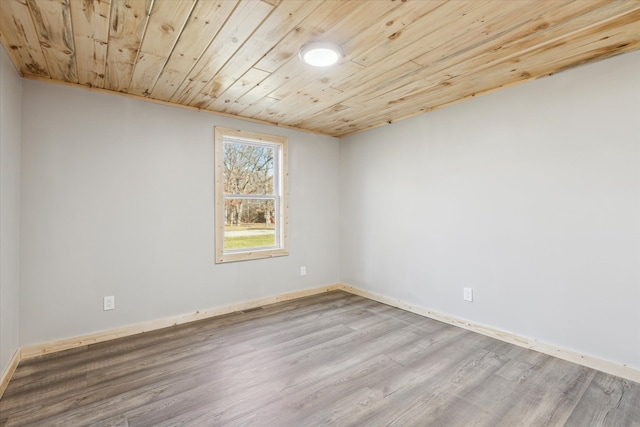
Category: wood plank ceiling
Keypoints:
(240, 57)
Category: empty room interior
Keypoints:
(204, 223)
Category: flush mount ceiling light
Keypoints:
(321, 54)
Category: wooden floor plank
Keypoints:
(610, 401)
(329, 359)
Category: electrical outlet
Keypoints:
(109, 303)
(468, 294)
(303, 270)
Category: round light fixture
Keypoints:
(321, 54)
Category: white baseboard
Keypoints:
(607, 366)
(69, 343)
(8, 372)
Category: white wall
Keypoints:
(10, 126)
(118, 200)
(531, 196)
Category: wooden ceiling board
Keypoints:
(389, 27)
(165, 24)
(313, 28)
(128, 21)
(241, 86)
(237, 29)
(531, 65)
(475, 29)
(52, 21)
(203, 25)
(309, 91)
(294, 80)
(457, 78)
(265, 103)
(535, 33)
(393, 80)
(281, 21)
(344, 28)
(416, 36)
(393, 85)
(240, 57)
(90, 22)
(282, 61)
(21, 40)
(411, 77)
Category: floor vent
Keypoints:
(249, 310)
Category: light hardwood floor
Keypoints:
(329, 359)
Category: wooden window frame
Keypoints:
(282, 184)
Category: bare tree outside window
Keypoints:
(249, 171)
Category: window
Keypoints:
(250, 195)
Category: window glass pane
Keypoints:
(249, 223)
(248, 169)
